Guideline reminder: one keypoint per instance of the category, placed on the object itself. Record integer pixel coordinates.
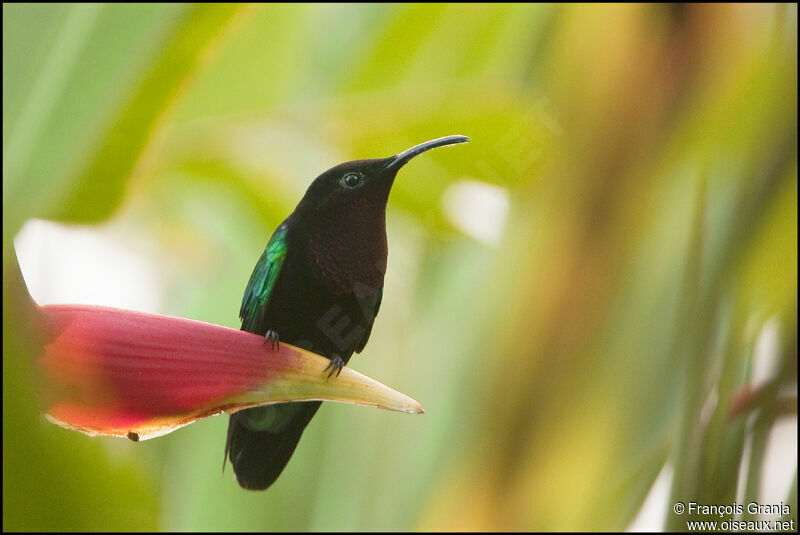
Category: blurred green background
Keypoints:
(577, 297)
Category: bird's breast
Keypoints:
(351, 260)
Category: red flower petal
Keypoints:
(126, 373)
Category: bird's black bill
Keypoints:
(403, 158)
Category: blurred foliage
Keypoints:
(649, 157)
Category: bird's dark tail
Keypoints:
(258, 457)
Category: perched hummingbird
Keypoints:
(318, 285)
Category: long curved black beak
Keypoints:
(401, 159)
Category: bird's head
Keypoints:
(364, 183)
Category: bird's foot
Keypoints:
(335, 366)
(272, 337)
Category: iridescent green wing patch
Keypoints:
(262, 281)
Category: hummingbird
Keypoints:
(317, 285)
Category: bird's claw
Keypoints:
(335, 366)
(272, 337)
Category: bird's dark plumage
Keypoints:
(318, 285)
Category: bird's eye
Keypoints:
(351, 180)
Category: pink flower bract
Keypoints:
(124, 373)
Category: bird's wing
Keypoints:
(370, 306)
(262, 281)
